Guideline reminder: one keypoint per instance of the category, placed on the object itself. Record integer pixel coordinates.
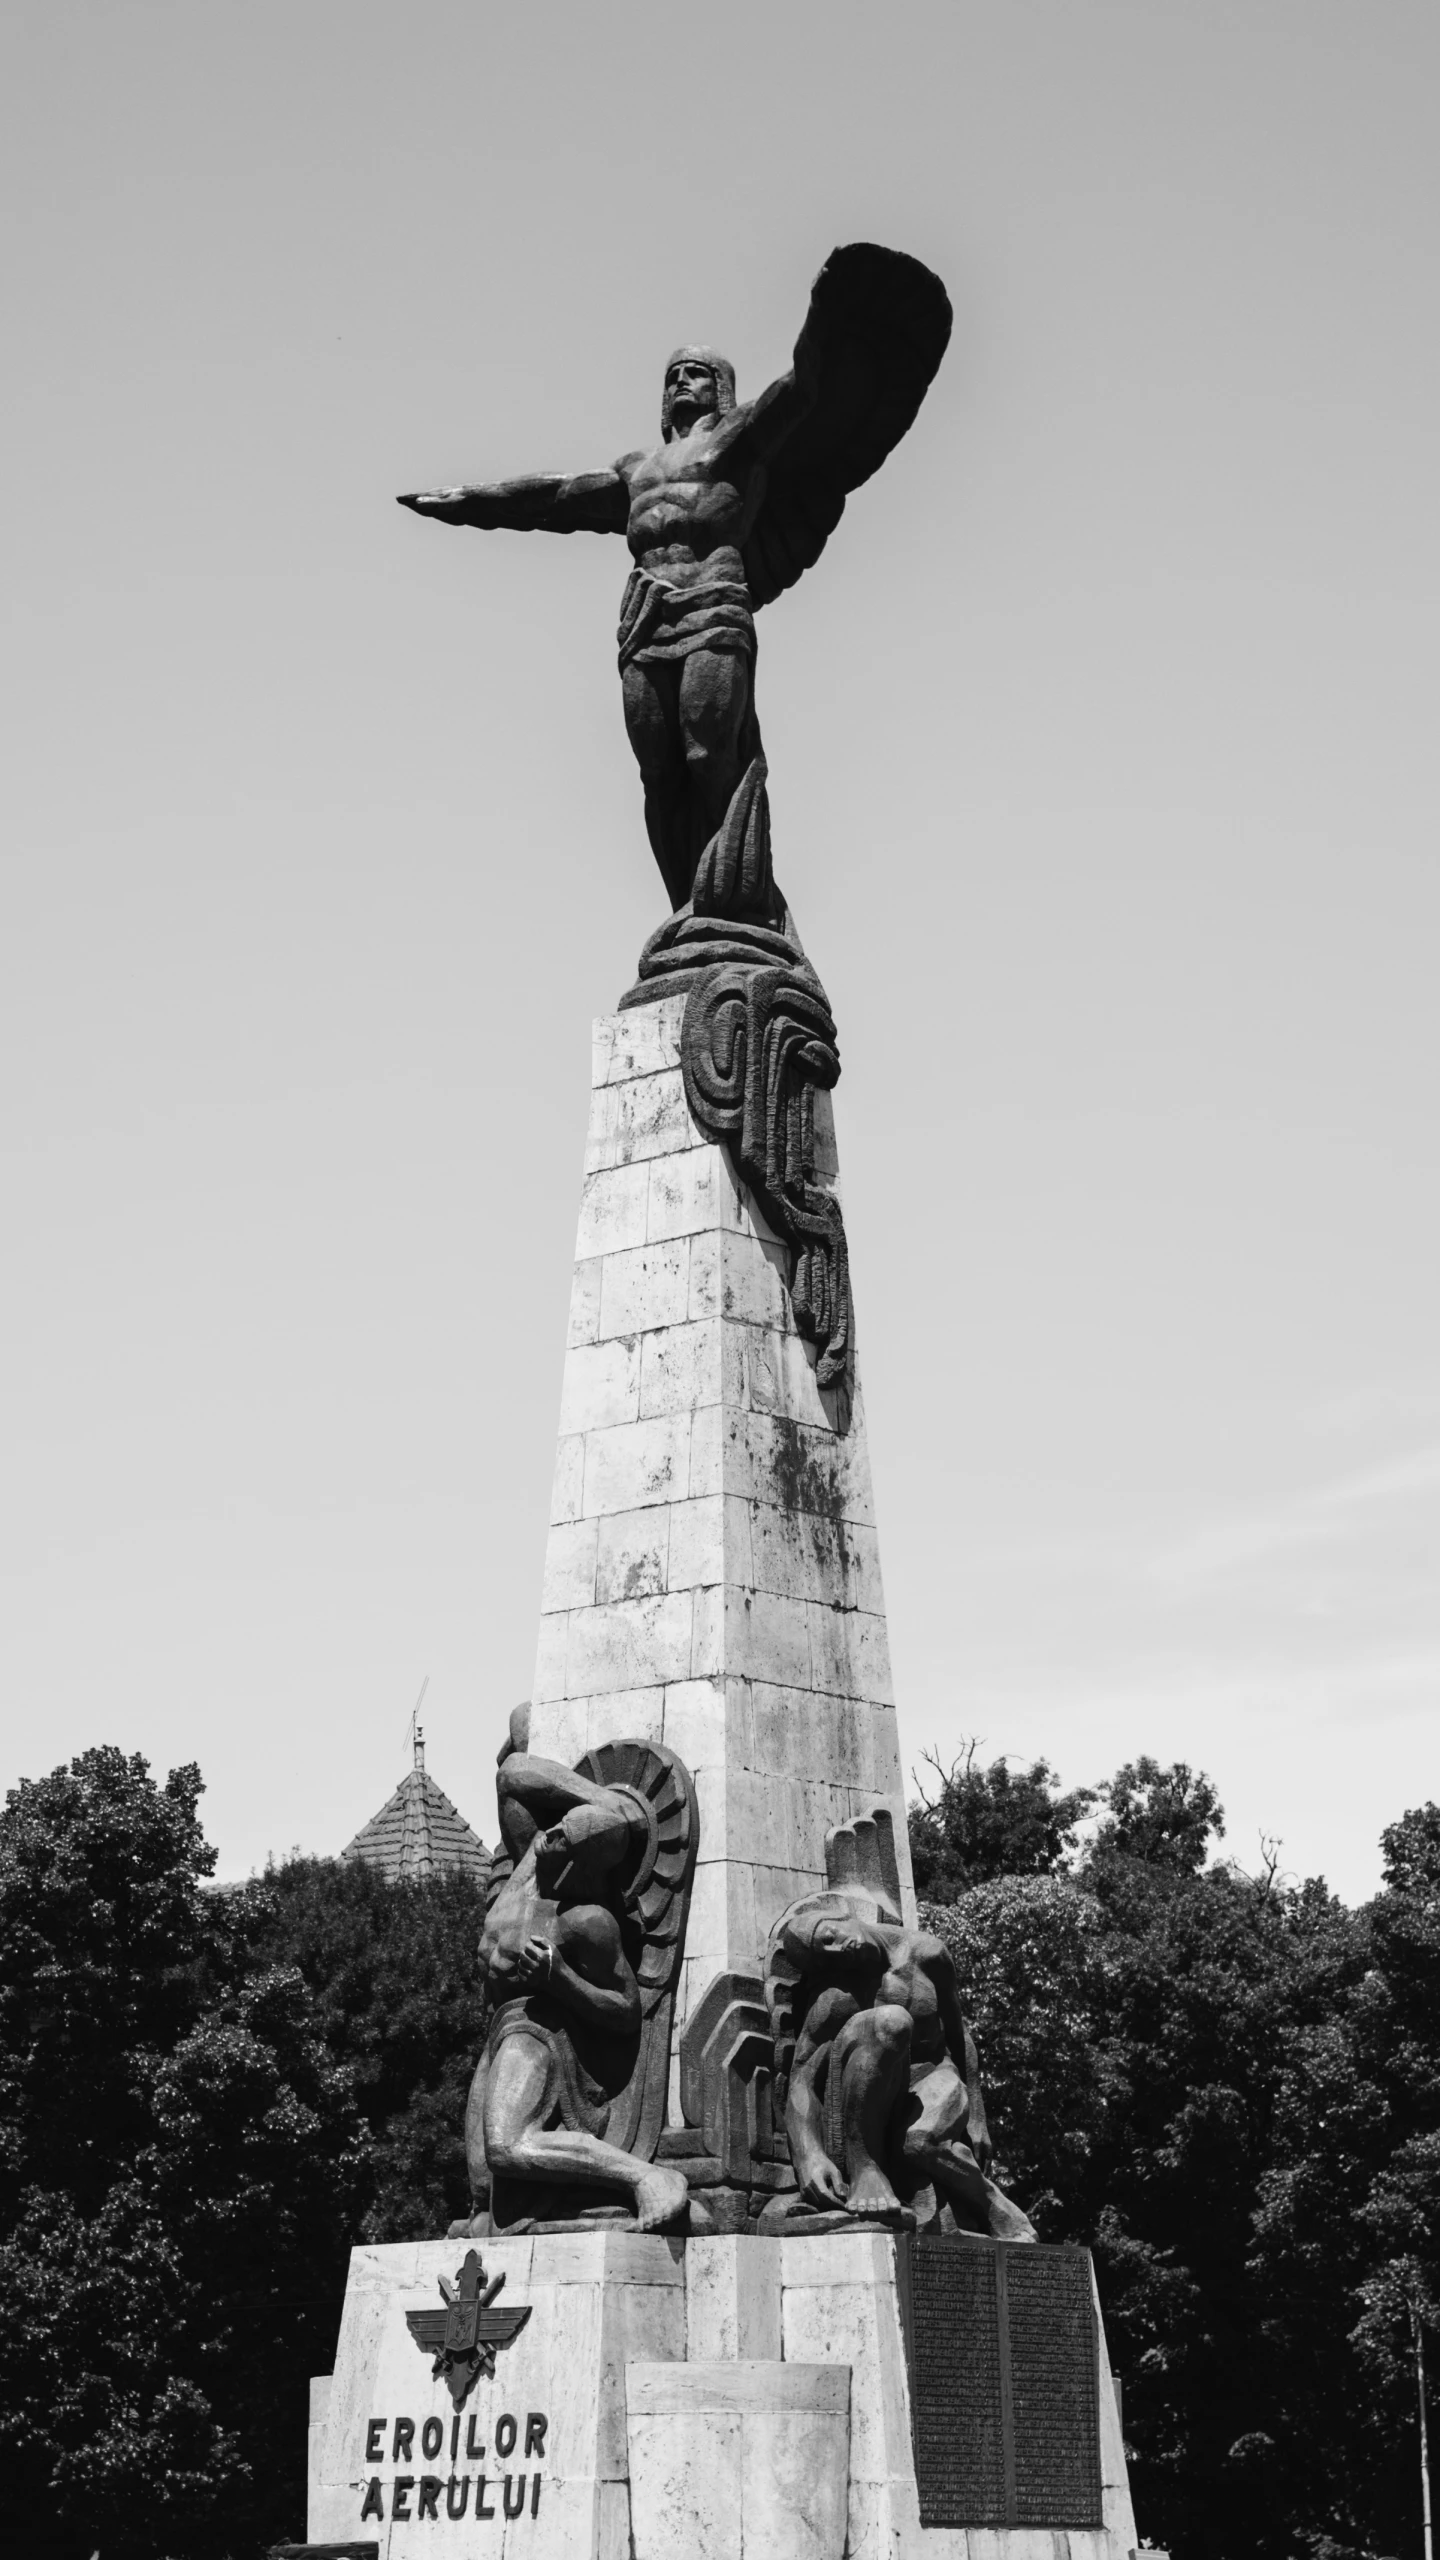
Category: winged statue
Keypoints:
(731, 507)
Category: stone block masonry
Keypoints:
(712, 1574)
(700, 2399)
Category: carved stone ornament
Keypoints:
(756, 1045)
(464, 2337)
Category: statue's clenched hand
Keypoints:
(534, 1963)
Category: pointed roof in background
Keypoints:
(419, 1832)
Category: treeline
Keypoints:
(1227, 2086)
(205, 2099)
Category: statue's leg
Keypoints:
(652, 724)
(935, 2140)
(716, 716)
(518, 2144)
(872, 2054)
(475, 2160)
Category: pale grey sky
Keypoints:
(1104, 782)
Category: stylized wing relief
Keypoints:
(465, 2335)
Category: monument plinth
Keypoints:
(736, 2281)
(712, 1573)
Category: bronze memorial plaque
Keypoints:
(1004, 2381)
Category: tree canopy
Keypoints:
(205, 2098)
(1229, 2088)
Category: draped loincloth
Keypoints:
(574, 2095)
(660, 623)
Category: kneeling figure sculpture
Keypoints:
(581, 1949)
(877, 2071)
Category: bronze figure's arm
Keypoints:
(939, 1964)
(549, 502)
(534, 1794)
(584, 1967)
(765, 422)
(818, 2178)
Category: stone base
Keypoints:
(705, 2397)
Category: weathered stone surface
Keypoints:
(732, 2299)
(713, 1575)
(669, 2374)
(738, 2460)
(594, 2298)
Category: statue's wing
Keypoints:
(877, 327)
(657, 1894)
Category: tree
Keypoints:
(393, 1974)
(182, 2166)
(103, 1936)
(1158, 1818)
(1229, 2089)
(1027, 1953)
(991, 1822)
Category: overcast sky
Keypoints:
(1104, 785)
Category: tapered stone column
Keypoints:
(712, 1576)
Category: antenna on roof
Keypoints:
(415, 1729)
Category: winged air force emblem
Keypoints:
(463, 2338)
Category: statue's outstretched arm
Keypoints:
(765, 422)
(551, 502)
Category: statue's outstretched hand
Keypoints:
(447, 505)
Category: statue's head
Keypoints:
(833, 1945)
(577, 1858)
(699, 383)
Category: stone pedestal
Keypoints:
(733, 2458)
(712, 1584)
(712, 1576)
(721, 2399)
(597, 2301)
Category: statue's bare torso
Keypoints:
(686, 507)
(732, 506)
(522, 1916)
(693, 502)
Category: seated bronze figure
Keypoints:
(877, 2071)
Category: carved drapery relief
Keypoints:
(757, 1043)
